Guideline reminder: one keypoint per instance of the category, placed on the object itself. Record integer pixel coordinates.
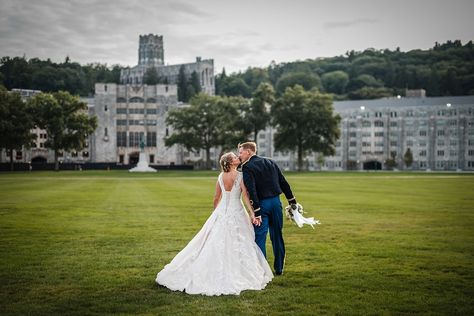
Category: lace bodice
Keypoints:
(235, 192)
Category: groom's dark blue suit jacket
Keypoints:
(264, 179)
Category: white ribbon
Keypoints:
(296, 216)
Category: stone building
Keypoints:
(37, 152)
(439, 131)
(128, 113)
(151, 56)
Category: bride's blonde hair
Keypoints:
(226, 161)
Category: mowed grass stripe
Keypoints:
(92, 245)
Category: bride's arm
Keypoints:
(245, 196)
(217, 195)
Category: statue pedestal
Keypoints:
(142, 165)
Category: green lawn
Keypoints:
(91, 243)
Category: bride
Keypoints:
(223, 257)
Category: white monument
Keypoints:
(142, 165)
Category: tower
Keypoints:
(150, 50)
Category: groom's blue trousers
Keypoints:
(272, 219)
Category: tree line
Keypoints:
(445, 69)
(304, 120)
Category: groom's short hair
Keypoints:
(249, 145)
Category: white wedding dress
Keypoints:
(223, 257)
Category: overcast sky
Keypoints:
(236, 34)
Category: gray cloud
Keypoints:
(349, 23)
(235, 34)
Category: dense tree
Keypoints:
(151, 76)
(236, 87)
(305, 123)
(335, 81)
(307, 80)
(408, 158)
(258, 115)
(16, 123)
(233, 126)
(196, 127)
(65, 119)
(391, 162)
(182, 85)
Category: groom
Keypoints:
(265, 183)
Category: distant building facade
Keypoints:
(37, 152)
(439, 131)
(151, 56)
(129, 113)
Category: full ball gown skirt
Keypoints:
(223, 257)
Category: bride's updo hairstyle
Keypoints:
(226, 161)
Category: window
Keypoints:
(470, 142)
(121, 122)
(134, 139)
(393, 114)
(74, 154)
(440, 133)
(121, 110)
(19, 155)
(121, 158)
(440, 153)
(152, 158)
(422, 143)
(409, 143)
(440, 142)
(122, 139)
(423, 133)
(352, 125)
(470, 152)
(352, 144)
(85, 154)
(365, 144)
(366, 124)
(393, 124)
(423, 153)
(410, 133)
(378, 134)
(352, 134)
(136, 111)
(453, 142)
(453, 153)
(378, 123)
(151, 111)
(151, 139)
(393, 143)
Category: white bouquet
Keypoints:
(295, 212)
